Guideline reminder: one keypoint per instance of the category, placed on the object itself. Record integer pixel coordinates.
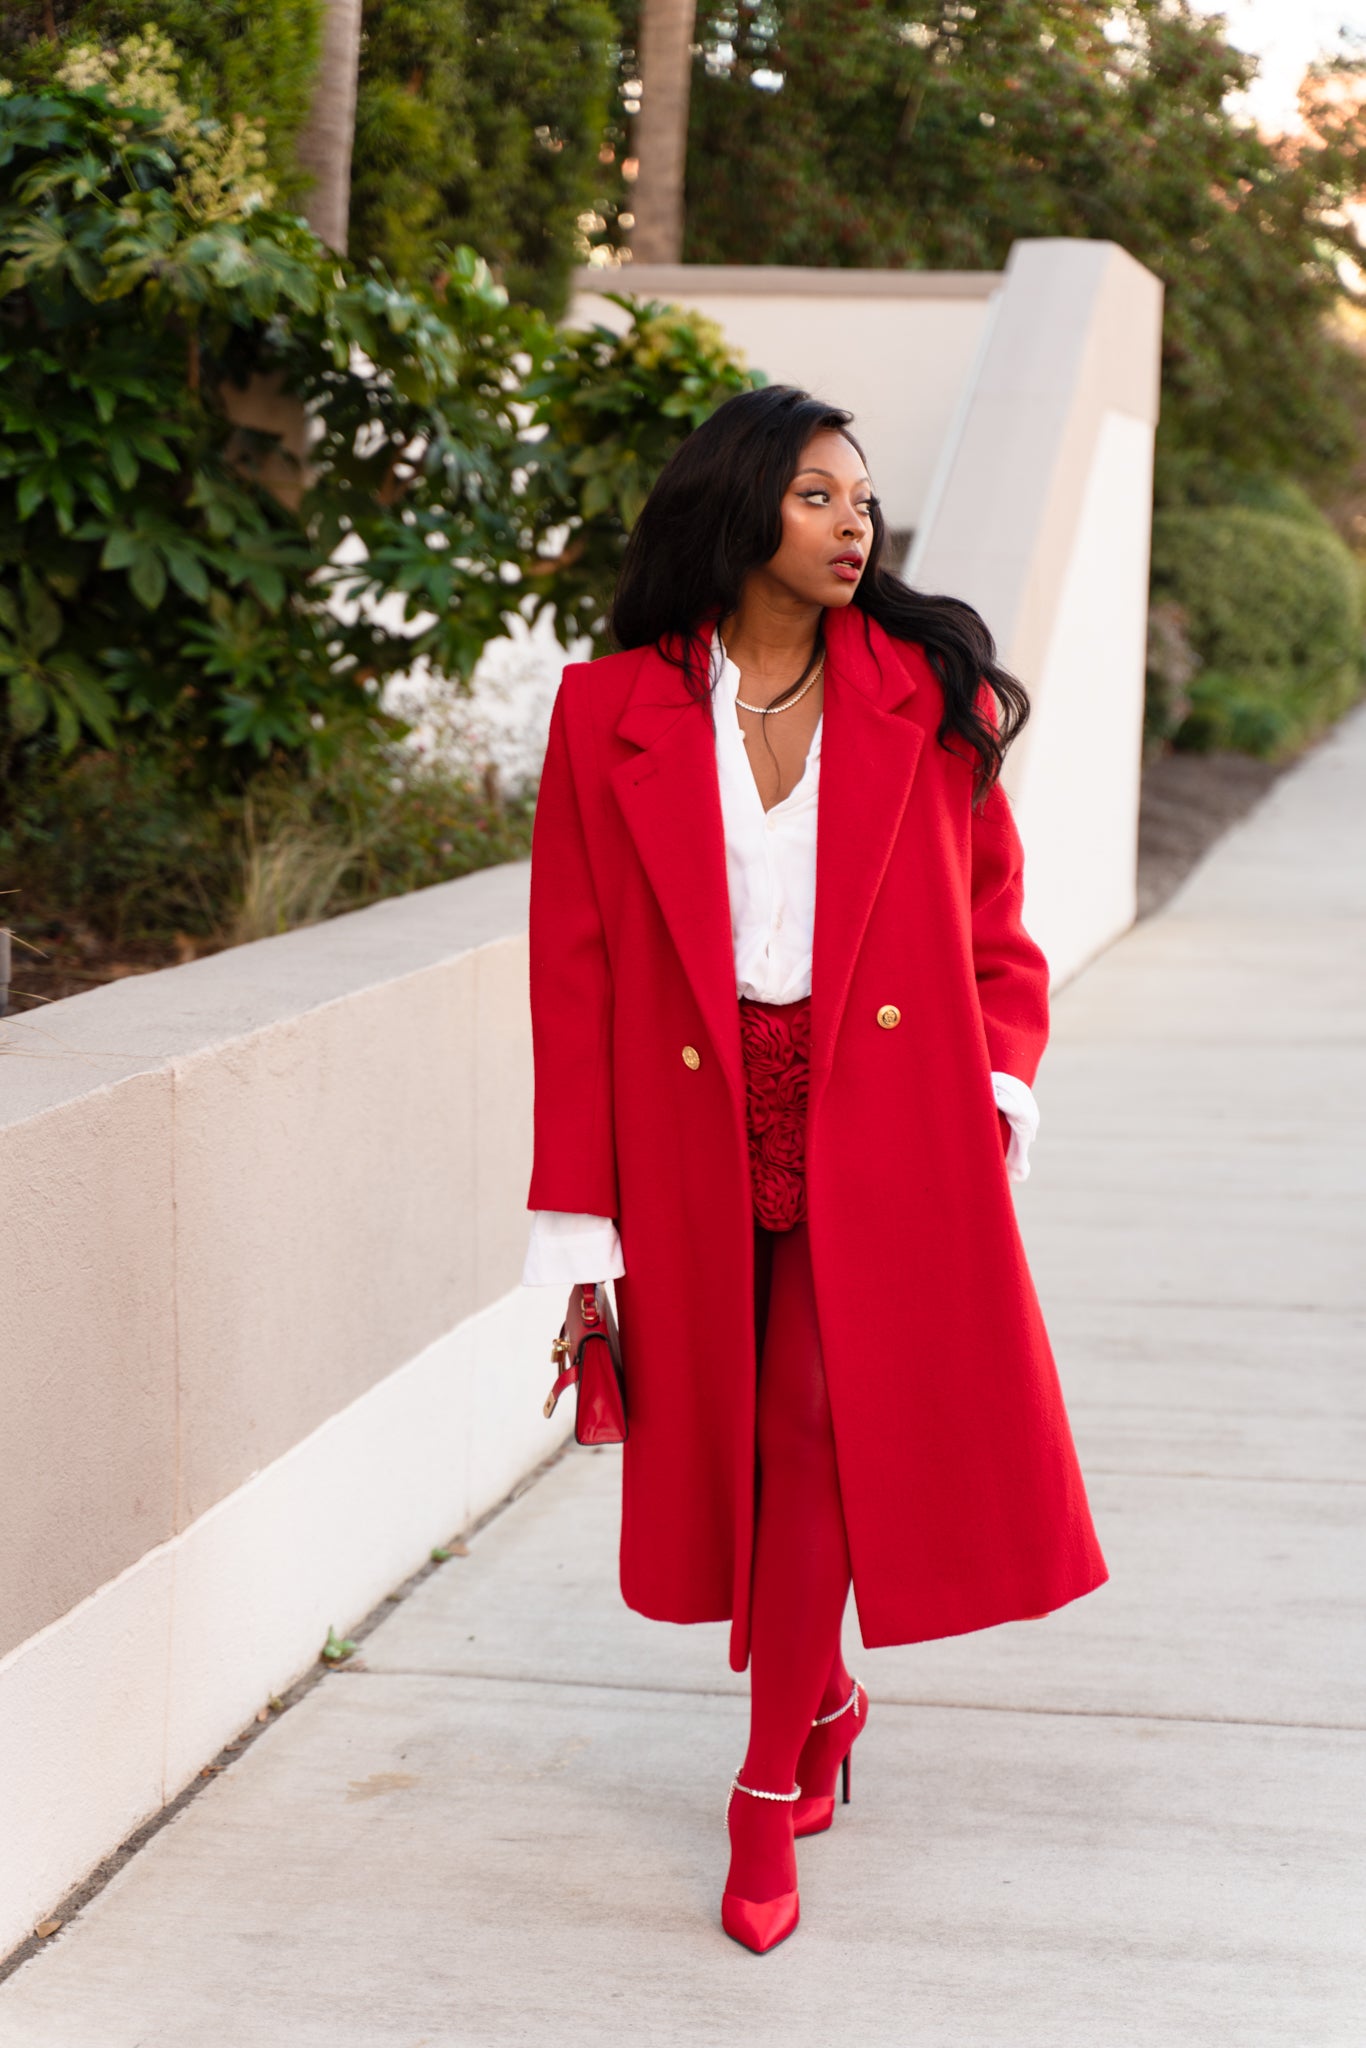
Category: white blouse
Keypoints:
(771, 875)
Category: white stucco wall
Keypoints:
(894, 347)
(262, 1342)
(1040, 516)
(1083, 763)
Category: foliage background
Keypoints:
(181, 648)
(481, 121)
(476, 122)
(930, 134)
(195, 628)
(154, 571)
(254, 57)
(1271, 601)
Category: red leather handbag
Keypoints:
(596, 1372)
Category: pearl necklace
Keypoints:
(771, 711)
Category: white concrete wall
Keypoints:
(262, 1342)
(110, 1711)
(1080, 757)
(894, 347)
(1040, 516)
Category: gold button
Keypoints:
(692, 1057)
(889, 1016)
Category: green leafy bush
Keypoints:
(162, 563)
(1271, 603)
(235, 56)
(165, 563)
(242, 484)
(613, 407)
(480, 121)
(125, 863)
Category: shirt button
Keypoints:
(692, 1057)
(771, 824)
(889, 1016)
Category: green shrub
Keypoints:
(195, 623)
(1271, 603)
(252, 57)
(480, 121)
(148, 576)
(125, 863)
(165, 567)
(1193, 480)
(613, 408)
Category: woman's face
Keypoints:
(827, 524)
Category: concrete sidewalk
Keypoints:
(1138, 1824)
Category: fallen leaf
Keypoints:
(263, 1713)
(378, 1783)
(46, 1927)
(459, 1549)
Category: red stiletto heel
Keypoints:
(825, 1757)
(760, 1924)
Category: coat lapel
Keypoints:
(868, 762)
(671, 801)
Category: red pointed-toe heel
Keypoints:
(760, 1924)
(825, 1757)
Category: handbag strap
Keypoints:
(570, 1376)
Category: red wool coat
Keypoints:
(962, 1496)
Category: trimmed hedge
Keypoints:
(1273, 605)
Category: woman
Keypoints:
(782, 1084)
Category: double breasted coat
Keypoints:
(962, 1497)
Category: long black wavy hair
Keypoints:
(715, 513)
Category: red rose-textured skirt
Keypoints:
(776, 1042)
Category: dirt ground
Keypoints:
(1188, 800)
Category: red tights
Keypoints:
(801, 1561)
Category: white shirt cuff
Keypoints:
(1016, 1099)
(565, 1248)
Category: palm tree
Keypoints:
(661, 132)
(324, 146)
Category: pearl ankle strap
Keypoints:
(787, 1798)
(824, 1720)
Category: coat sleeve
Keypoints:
(1011, 971)
(574, 1158)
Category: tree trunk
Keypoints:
(661, 129)
(324, 146)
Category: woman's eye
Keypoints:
(867, 506)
